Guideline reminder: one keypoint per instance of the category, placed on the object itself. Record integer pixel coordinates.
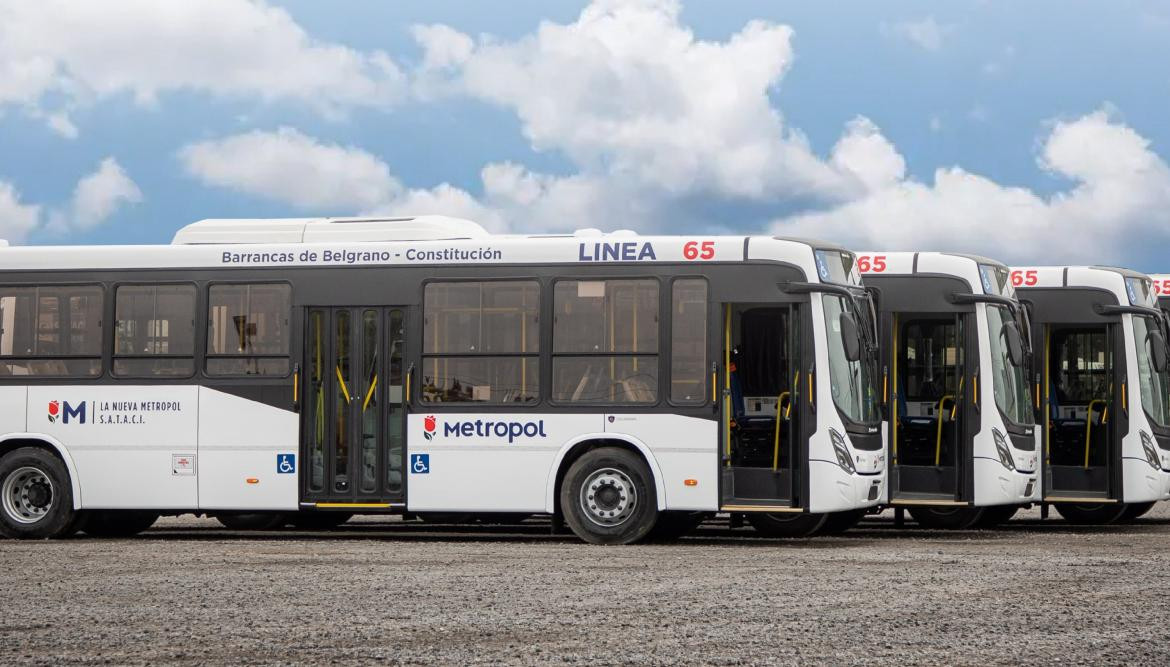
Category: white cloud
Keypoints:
(628, 92)
(17, 219)
(1119, 202)
(925, 33)
(56, 55)
(291, 167)
(98, 195)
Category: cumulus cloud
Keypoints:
(56, 56)
(290, 167)
(98, 195)
(17, 219)
(1119, 201)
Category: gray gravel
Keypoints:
(380, 590)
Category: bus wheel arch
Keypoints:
(15, 441)
(577, 448)
(36, 495)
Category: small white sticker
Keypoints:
(183, 465)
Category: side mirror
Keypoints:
(1158, 354)
(1015, 343)
(850, 337)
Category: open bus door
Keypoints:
(763, 382)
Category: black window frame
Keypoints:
(195, 338)
(537, 357)
(208, 356)
(101, 333)
(663, 341)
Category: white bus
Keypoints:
(1103, 388)
(957, 397)
(317, 368)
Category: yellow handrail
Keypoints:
(938, 440)
(370, 393)
(341, 383)
(776, 439)
(1089, 424)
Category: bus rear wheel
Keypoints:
(118, 523)
(783, 524)
(36, 497)
(1088, 514)
(1135, 510)
(608, 497)
(946, 518)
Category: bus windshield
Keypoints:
(1155, 386)
(1008, 381)
(852, 382)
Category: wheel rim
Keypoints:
(608, 497)
(28, 495)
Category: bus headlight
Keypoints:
(1150, 451)
(844, 458)
(1005, 452)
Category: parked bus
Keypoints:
(1103, 387)
(316, 368)
(958, 405)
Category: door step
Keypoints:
(928, 502)
(1079, 499)
(353, 506)
(761, 508)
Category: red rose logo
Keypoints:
(429, 425)
(54, 411)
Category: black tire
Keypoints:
(320, 520)
(36, 496)
(946, 518)
(1135, 510)
(673, 525)
(118, 523)
(995, 515)
(1091, 514)
(839, 522)
(252, 520)
(608, 497)
(784, 524)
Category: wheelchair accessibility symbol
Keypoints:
(420, 464)
(286, 464)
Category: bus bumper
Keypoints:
(996, 485)
(833, 489)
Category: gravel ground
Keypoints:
(380, 590)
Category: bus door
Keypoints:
(928, 451)
(353, 412)
(1082, 383)
(762, 456)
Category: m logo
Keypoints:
(65, 412)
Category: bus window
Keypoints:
(688, 341)
(605, 341)
(154, 331)
(51, 331)
(248, 329)
(481, 342)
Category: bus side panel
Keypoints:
(241, 446)
(133, 446)
(12, 410)
(486, 462)
(686, 448)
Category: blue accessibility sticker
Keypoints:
(286, 464)
(420, 464)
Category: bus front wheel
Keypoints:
(839, 522)
(36, 497)
(1087, 514)
(946, 518)
(1135, 510)
(782, 524)
(608, 497)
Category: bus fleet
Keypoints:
(272, 371)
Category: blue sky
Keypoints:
(1027, 100)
